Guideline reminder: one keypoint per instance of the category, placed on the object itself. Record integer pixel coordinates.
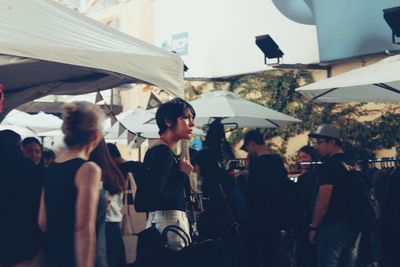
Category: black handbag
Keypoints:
(152, 250)
(194, 254)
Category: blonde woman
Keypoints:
(71, 193)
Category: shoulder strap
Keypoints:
(130, 188)
(231, 215)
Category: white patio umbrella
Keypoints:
(133, 120)
(136, 121)
(39, 122)
(379, 82)
(234, 109)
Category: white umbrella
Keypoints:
(234, 109)
(136, 121)
(379, 82)
(39, 122)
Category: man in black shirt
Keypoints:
(336, 239)
(267, 177)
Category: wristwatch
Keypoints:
(312, 228)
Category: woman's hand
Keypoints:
(185, 166)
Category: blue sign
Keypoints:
(179, 43)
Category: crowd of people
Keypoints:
(67, 210)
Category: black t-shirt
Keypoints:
(267, 176)
(333, 173)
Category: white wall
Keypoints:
(222, 34)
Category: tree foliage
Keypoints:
(276, 90)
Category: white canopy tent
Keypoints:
(46, 48)
(379, 82)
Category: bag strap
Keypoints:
(230, 212)
(130, 187)
(178, 231)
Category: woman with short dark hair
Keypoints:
(306, 187)
(32, 149)
(162, 192)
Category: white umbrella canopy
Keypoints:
(234, 109)
(134, 120)
(139, 121)
(379, 82)
(39, 122)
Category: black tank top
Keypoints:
(60, 201)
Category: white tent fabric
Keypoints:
(379, 82)
(46, 48)
(135, 120)
(234, 109)
(36, 123)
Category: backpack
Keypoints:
(363, 206)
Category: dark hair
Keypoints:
(48, 153)
(10, 147)
(208, 162)
(309, 150)
(255, 136)
(171, 111)
(211, 172)
(338, 142)
(113, 149)
(31, 140)
(81, 121)
(113, 179)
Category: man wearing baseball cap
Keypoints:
(336, 239)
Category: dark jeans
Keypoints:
(337, 245)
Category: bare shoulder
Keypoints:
(89, 173)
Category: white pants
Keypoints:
(164, 218)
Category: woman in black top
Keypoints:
(306, 189)
(162, 192)
(71, 194)
(19, 202)
(214, 222)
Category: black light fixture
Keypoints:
(268, 46)
(392, 17)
